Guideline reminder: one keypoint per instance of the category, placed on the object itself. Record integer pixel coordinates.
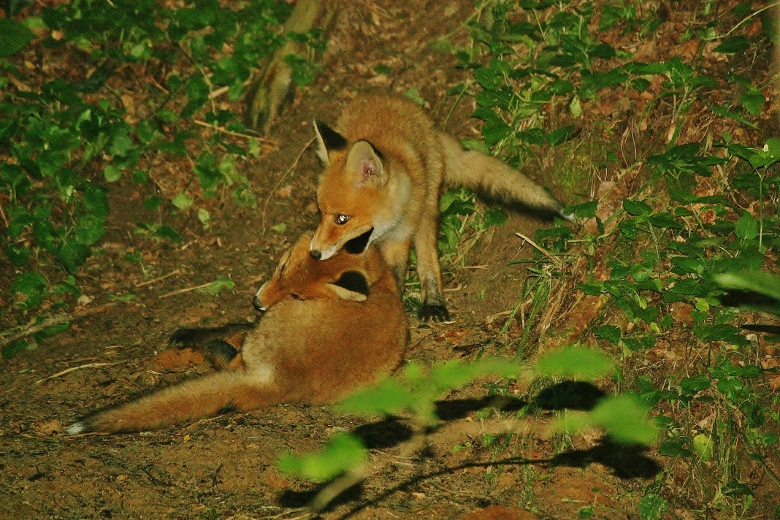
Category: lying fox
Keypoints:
(328, 329)
(385, 166)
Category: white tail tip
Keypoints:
(76, 428)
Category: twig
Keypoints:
(2, 212)
(282, 179)
(163, 277)
(185, 290)
(224, 130)
(57, 319)
(747, 19)
(338, 486)
(73, 369)
(539, 248)
(218, 92)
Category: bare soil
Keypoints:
(225, 467)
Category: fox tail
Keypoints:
(203, 397)
(493, 179)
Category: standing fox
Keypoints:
(328, 328)
(385, 166)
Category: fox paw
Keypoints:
(433, 312)
(186, 337)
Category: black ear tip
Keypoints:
(330, 138)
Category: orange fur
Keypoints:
(385, 168)
(330, 328)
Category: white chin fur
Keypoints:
(327, 253)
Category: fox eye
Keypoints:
(296, 297)
(341, 219)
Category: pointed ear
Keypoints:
(364, 163)
(351, 285)
(328, 140)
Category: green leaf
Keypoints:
(665, 221)
(31, 284)
(15, 36)
(624, 417)
(674, 448)
(757, 281)
(495, 130)
(15, 347)
(535, 136)
(586, 210)
(702, 446)
(725, 112)
(495, 217)
(121, 144)
(167, 232)
(609, 332)
(217, 286)
(72, 254)
(636, 208)
(89, 230)
(577, 362)
(733, 44)
(746, 227)
(413, 94)
(208, 173)
(560, 135)
(387, 398)
(488, 78)
(721, 332)
(695, 384)
(343, 452)
(303, 71)
(95, 201)
(112, 173)
(182, 201)
(753, 101)
(652, 506)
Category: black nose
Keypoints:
(257, 305)
(315, 254)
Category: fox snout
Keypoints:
(257, 303)
(315, 254)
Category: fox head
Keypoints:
(300, 277)
(349, 189)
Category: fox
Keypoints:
(326, 329)
(385, 168)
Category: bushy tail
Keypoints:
(203, 397)
(493, 179)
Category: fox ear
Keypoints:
(351, 285)
(364, 162)
(328, 140)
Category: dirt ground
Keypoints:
(225, 467)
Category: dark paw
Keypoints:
(183, 338)
(433, 312)
(220, 353)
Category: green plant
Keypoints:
(695, 224)
(68, 140)
(415, 391)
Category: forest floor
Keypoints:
(225, 467)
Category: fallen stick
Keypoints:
(73, 369)
(51, 321)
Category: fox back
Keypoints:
(329, 328)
